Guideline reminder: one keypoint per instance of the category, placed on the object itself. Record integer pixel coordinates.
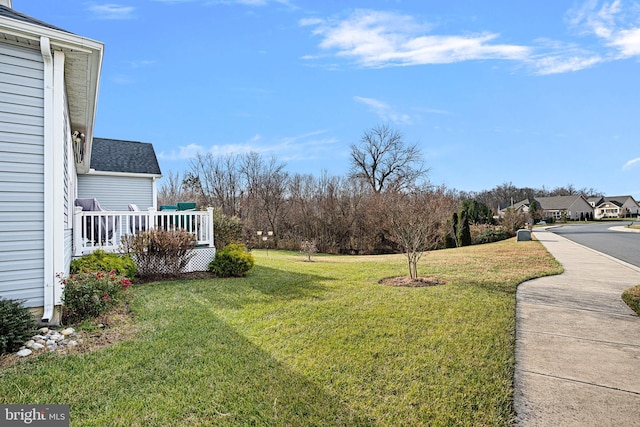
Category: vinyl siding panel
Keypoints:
(21, 174)
(116, 192)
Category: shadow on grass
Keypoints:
(194, 370)
(262, 285)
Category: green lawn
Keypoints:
(299, 343)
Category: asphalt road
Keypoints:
(622, 245)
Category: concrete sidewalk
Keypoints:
(577, 342)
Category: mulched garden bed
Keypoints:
(418, 282)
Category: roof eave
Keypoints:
(127, 174)
(84, 100)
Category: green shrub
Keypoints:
(100, 260)
(632, 298)
(17, 325)
(464, 229)
(228, 229)
(160, 252)
(90, 294)
(490, 235)
(232, 261)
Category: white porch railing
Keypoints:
(105, 229)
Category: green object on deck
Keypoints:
(168, 208)
(186, 206)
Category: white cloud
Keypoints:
(384, 111)
(555, 64)
(306, 146)
(230, 2)
(122, 79)
(112, 11)
(140, 63)
(615, 25)
(628, 42)
(377, 39)
(382, 39)
(184, 152)
(630, 163)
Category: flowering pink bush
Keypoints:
(91, 294)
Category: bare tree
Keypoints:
(266, 192)
(384, 161)
(171, 190)
(217, 181)
(514, 220)
(418, 222)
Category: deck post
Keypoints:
(152, 218)
(77, 231)
(210, 226)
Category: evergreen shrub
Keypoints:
(100, 260)
(232, 261)
(17, 325)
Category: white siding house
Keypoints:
(49, 159)
(48, 89)
(617, 207)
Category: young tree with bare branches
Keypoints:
(418, 222)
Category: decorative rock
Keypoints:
(67, 331)
(52, 340)
(24, 352)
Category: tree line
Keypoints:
(379, 206)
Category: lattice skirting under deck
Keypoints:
(200, 260)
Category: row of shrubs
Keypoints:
(163, 253)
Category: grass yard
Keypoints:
(306, 343)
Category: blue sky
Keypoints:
(543, 93)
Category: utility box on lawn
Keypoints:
(523, 235)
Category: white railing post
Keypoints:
(210, 226)
(152, 218)
(77, 231)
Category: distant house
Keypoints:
(129, 166)
(574, 207)
(594, 201)
(616, 207)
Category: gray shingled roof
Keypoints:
(115, 155)
(7, 12)
(617, 200)
(556, 202)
